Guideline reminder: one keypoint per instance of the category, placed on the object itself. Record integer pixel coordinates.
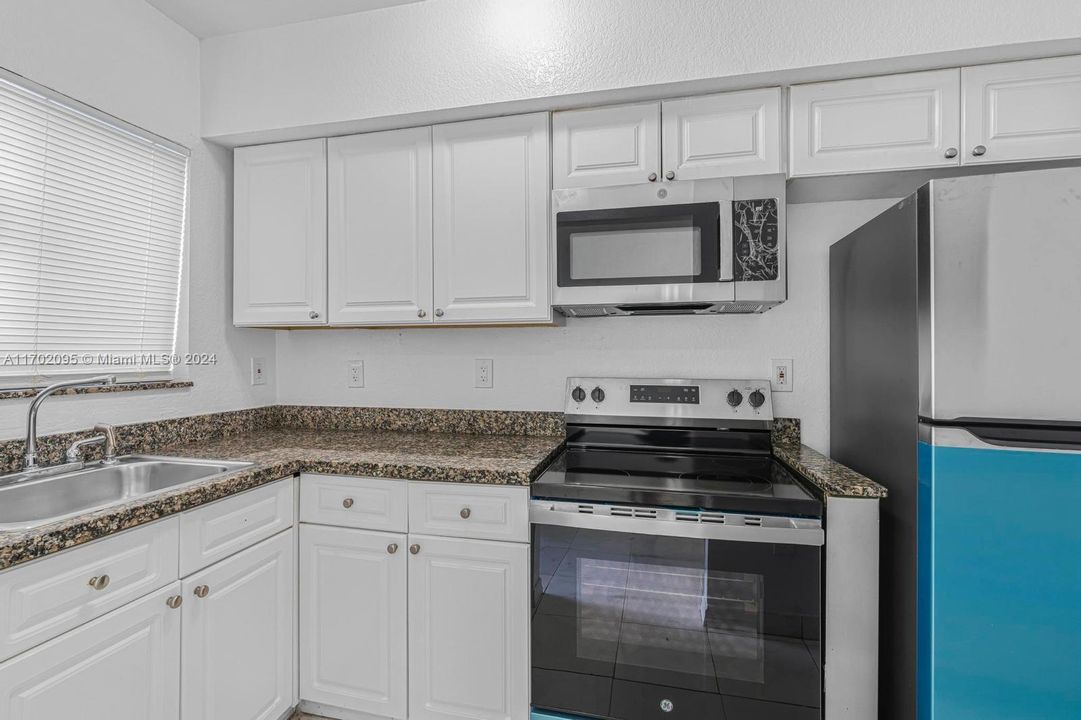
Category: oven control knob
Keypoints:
(597, 395)
(578, 394)
(757, 399)
(735, 397)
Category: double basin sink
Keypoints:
(37, 498)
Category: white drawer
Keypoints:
(50, 596)
(469, 511)
(360, 502)
(215, 531)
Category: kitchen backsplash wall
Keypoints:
(434, 367)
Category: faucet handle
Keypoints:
(109, 433)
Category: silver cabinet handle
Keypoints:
(99, 582)
(439, 312)
(652, 177)
(421, 313)
(347, 503)
(670, 175)
(465, 513)
(392, 548)
(174, 601)
(979, 150)
(313, 314)
(201, 591)
(414, 548)
(951, 152)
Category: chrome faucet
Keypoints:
(32, 416)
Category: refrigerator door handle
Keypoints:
(1066, 439)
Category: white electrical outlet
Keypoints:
(258, 371)
(781, 375)
(356, 373)
(482, 373)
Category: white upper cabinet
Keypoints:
(491, 220)
(279, 234)
(380, 228)
(599, 147)
(1028, 110)
(891, 122)
(237, 658)
(723, 135)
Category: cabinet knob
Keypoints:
(979, 150)
(652, 177)
(670, 175)
(465, 513)
(439, 312)
(951, 152)
(201, 591)
(347, 503)
(421, 313)
(99, 582)
(392, 548)
(174, 601)
(414, 548)
(313, 314)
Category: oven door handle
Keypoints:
(699, 524)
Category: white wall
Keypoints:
(447, 54)
(434, 367)
(124, 57)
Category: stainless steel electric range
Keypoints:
(677, 565)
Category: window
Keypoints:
(91, 241)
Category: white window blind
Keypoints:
(91, 241)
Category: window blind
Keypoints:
(91, 241)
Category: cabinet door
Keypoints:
(722, 135)
(280, 234)
(491, 220)
(877, 123)
(468, 629)
(380, 227)
(1027, 110)
(123, 666)
(238, 635)
(353, 619)
(600, 147)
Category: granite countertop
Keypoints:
(831, 477)
(277, 453)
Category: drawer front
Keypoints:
(359, 502)
(216, 531)
(469, 511)
(43, 599)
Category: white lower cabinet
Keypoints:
(423, 625)
(468, 629)
(123, 666)
(353, 619)
(238, 635)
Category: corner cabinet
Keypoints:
(490, 214)
(280, 234)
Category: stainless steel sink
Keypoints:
(29, 499)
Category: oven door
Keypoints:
(637, 617)
(645, 254)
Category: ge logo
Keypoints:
(666, 705)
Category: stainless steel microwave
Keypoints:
(695, 247)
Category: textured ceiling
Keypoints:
(208, 18)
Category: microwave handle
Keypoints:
(724, 239)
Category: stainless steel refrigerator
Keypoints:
(955, 322)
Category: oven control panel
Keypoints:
(693, 400)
